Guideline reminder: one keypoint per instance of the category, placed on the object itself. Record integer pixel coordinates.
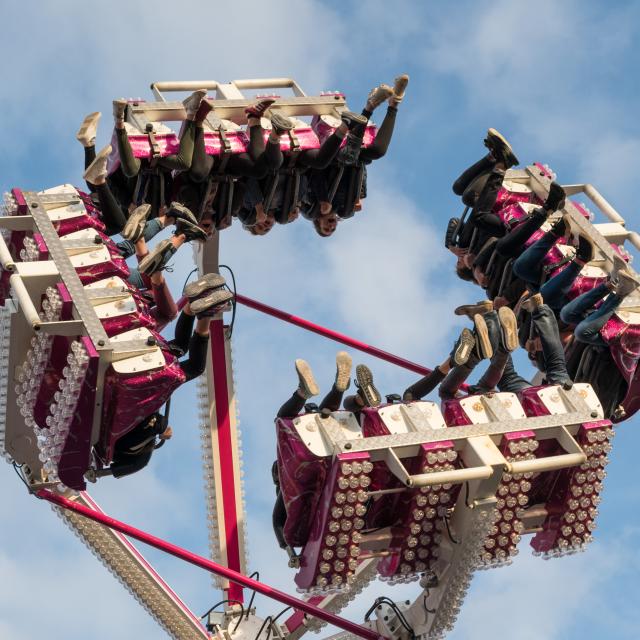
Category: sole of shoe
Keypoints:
(134, 228)
(90, 172)
(400, 86)
(482, 336)
(471, 310)
(191, 231)
(464, 348)
(199, 286)
(281, 123)
(509, 326)
(89, 124)
(307, 382)
(369, 393)
(214, 299)
(149, 264)
(343, 370)
(180, 212)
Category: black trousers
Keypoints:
(193, 344)
(256, 163)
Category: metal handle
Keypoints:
(6, 259)
(26, 304)
(547, 464)
(597, 198)
(455, 476)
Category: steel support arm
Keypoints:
(334, 335)
(207, 564)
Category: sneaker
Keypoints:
(627, 283)
(463, 347)
(500, 148)
(207, 282)
(96, 172)
(470, 310)
(258, 108)
(555, 198)
(509, 325)
(366, 389)
(190, 231)
(88, 129)
(157, 258)
(134, 228)
(307, 383)
(343, 371)
(178, 211)
(452, 227)
(192, 103)
(203, 111)
(281, 124)
(119, 109)
(483, 342)
(353, 120)
(533, 302)
(211, 304)
(586, 249)
(399, 87)
(377, 96)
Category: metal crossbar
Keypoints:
(213, 567)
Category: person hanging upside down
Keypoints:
(255, 218)
(479, 186)
(206, 298)
(336, 191)
(588, 320)
(153, 177)
(307, 388)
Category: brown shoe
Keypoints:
(96, 172)
(307, 383)
(509, 326)
(627, 283)
(87, 133)
(470, 310)
(532, 303)
(483, 342)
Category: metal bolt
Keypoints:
(347, 445)
(34, 205)
(594, 414)
(101, 343)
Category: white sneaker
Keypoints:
(88, 129)
(343, 371)
(399, 88)
(307, 383)
(378, 95)
(96, 172)
(192, 102)
(119, 109)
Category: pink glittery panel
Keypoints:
(531, 402)
(129, 399)
(507, 199)
(454, 414)
(302, 476)
(127, 322)
(624, 344)
(306, 137)
(116, 266)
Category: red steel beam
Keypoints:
(213, 567)
(334, 335)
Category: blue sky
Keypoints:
(558, 78)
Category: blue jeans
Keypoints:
(579, 308)
(554, 363)
(528, 267)
(135, 278)
(151, 228)
(589, 329)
